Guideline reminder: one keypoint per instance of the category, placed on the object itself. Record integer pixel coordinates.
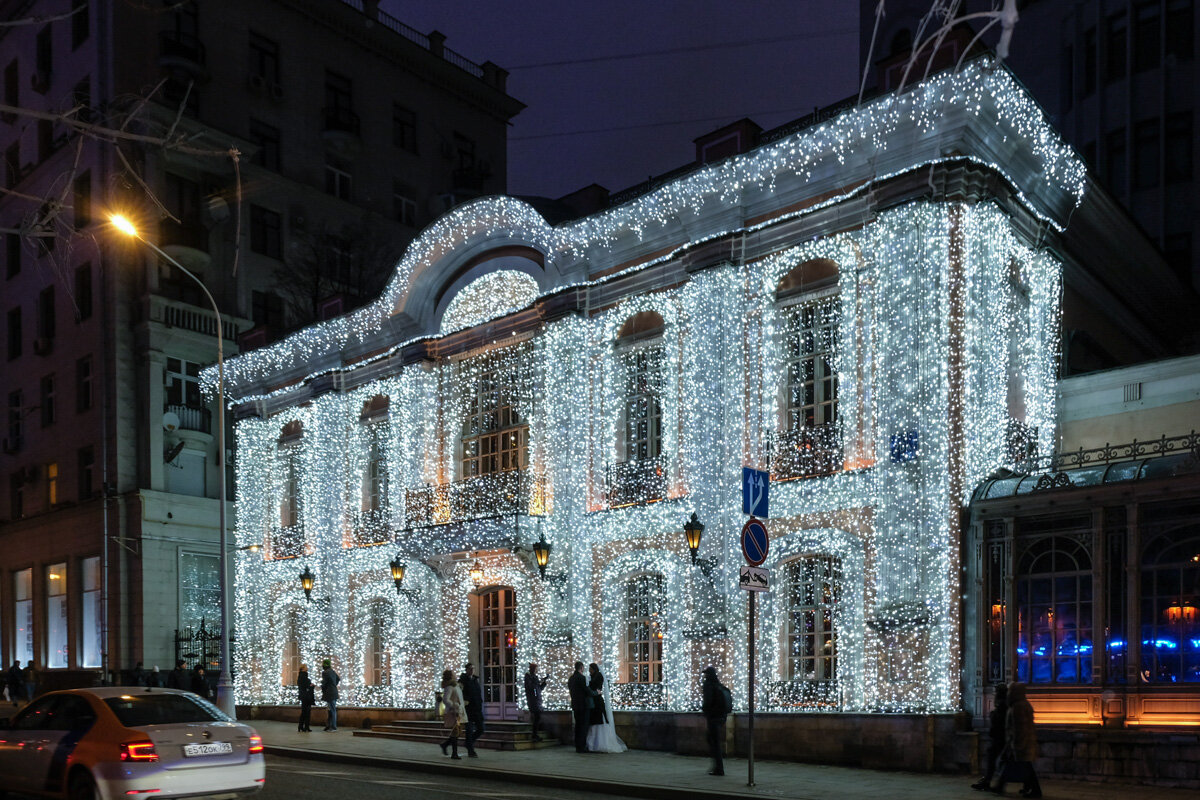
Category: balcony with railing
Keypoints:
(369, 528)
(286, 542)
(632, 483)
(808, 452)
(483, 496)
(192, 418)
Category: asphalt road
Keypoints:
(297, 779)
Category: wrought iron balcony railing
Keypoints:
(492, 495)
(286, 542)
(635, 482)
(1111, 453)
(370, 527)
(806, 452)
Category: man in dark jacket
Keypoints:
(178, 678)
(472, 691)
(714, 706)
(581, 706)
(200, 683)
(138, 676)
(996, 738)
(533, 698)
(329, 693)
(16, 683)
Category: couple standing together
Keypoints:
(594, 729)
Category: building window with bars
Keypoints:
(643, 635)
(814, 595)
(495, 438)
(1054, 612)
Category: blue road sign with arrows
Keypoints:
(756, 485)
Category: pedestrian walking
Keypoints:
(997, 740)
(16, 684)
(716, 704)
(199, 684)
(308, 697)
(329, 693)
(602, 732)
(533, 698)
(1022, 748)
(452, 698)
(138, 675)
(472, 691)
(178, 678)
(30, 676)
(581, 706)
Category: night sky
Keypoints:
(614, 121)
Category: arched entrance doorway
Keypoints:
(497, 625)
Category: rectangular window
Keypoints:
(266, 138)
(404, 128)
(87, 465)
(1115, 62)
(1114, 161)
(83, 384)
(266, 309)
(83, 291)
(46, 321)
(45, 139)
(16, 420)
(16, 494)
(465, 148)
(83, 200)
(199, 591)
(1145, 154)
(337, 177)
(14, 333)
(1179, 147)
(12, 90)
(52, 484)
(57, 651)
(266, 235)
(643, 367)
(1179, 44)
(45, 59)
(1147, 46)
(23, 615)
(264, 58)
(814, 584)
(12, 176)
(644, 618)
(181, 384)
(93, 613)
(403, 206)
(80, 26)
(82, 98)
(339, 91)
(48, 409)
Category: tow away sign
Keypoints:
(753, 579)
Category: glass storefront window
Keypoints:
(1170, 612)
(23, 616)
(57, 649)
(92, 613)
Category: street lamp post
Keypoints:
(225, 700)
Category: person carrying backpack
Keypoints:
(716, 706)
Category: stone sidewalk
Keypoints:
(643, 773)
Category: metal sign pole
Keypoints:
(750, 693)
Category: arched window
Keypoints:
(808, 444)
(287, 541)
(291, 649)
(1054, 612)
(639, 476)
(376, 658)
(814, 593)
(1171, 607)
(643, 635)
(375, 482)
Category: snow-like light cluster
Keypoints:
(946, 326)
(860, 137)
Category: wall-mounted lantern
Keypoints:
(693, 530)
(541, 554)
(306, 582)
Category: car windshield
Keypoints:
(139, 710)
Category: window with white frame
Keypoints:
(495, 438)
(181, 384)
(57, 639)
(643, 635)
(199, 591)
(642, 403)
(375, 479)
(93, 614)
(814, 592)
(376, 662)
(810, 334)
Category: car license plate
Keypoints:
(207, 749)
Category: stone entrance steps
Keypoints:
(498, 735)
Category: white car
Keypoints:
(128, 742)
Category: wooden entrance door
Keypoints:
(498, 652)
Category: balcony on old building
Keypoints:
(807, 452)
(368, 528)
(341, 130)
(496, 494)
(186, 242)
(632, 483)
(192, 418)
(181, 51)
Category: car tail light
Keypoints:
(256, 745)
(138, 751)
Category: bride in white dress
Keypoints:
(602, 733)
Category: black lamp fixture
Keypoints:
(398, 568)
(541, 554)
(693, 530)
(306, 582)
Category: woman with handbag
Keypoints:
(456, 712)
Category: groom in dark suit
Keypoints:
(581, 706)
